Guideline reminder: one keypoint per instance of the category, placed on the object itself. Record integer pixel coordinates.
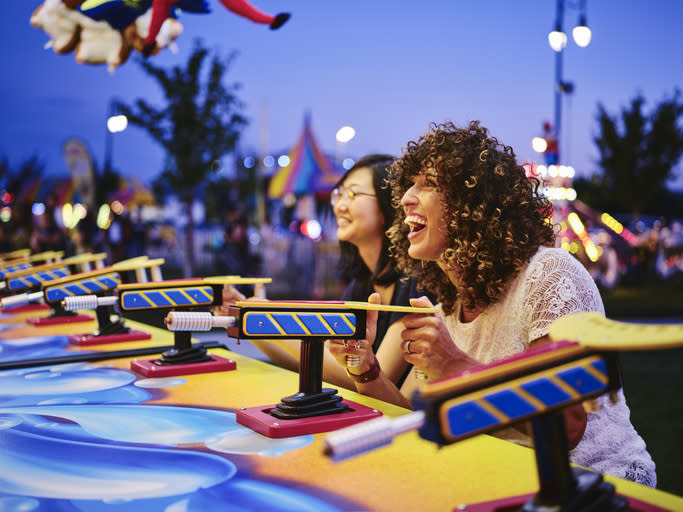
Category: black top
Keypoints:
(404, 290)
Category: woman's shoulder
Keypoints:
(548, 259)
(549, 253)
(554, 272)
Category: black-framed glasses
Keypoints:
(340, 192)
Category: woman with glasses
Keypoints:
(362, 205)
(361, 202)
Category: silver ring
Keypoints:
(407, 347)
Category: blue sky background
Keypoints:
(387, 68)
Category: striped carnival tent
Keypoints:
(309, 172)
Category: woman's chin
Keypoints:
(414, 253)
(342, 235)
(418, 253)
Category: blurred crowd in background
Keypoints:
(301, 255)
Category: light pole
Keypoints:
(343, 136)
(558, 40)
(115, 123)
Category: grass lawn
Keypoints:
(653, 383)
(655, 298)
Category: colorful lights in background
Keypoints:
(580, 231)
(618, 228)
(556, 183)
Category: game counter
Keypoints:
(409, 474)
(52, 341)
(16, 327)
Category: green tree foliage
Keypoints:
(638, 156)
(592, 191)
(199, 124)
(13, 179)
(220, 194)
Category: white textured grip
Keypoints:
(369, 435)
(87, 302)
(15, 300)
(196, 321)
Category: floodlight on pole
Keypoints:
(558, 41)
(581, 33)
(539, 144)
(345, 134)
(116, 123)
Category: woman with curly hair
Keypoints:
(475, 231)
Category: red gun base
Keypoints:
(56, 320)
(258, 419)
(93, 339)
(147, 367)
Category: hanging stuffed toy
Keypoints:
(105, 31)
(60, 23)
(161, 9)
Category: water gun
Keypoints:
(182, 295)
(111, 327)
(312, 409)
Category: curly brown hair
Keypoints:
(498, 218)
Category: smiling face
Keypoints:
(359, 220)
(425, 215)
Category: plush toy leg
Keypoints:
(280, 20)
(161, 9)
(246, 10)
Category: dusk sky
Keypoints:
(386, 68)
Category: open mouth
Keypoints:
(343, 222)
(416, 224)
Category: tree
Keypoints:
(638, 159)
(28, 171)
(199, 125)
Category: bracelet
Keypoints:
(368, 376)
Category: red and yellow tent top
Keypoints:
(309, 170)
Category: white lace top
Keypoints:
(552, 285)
